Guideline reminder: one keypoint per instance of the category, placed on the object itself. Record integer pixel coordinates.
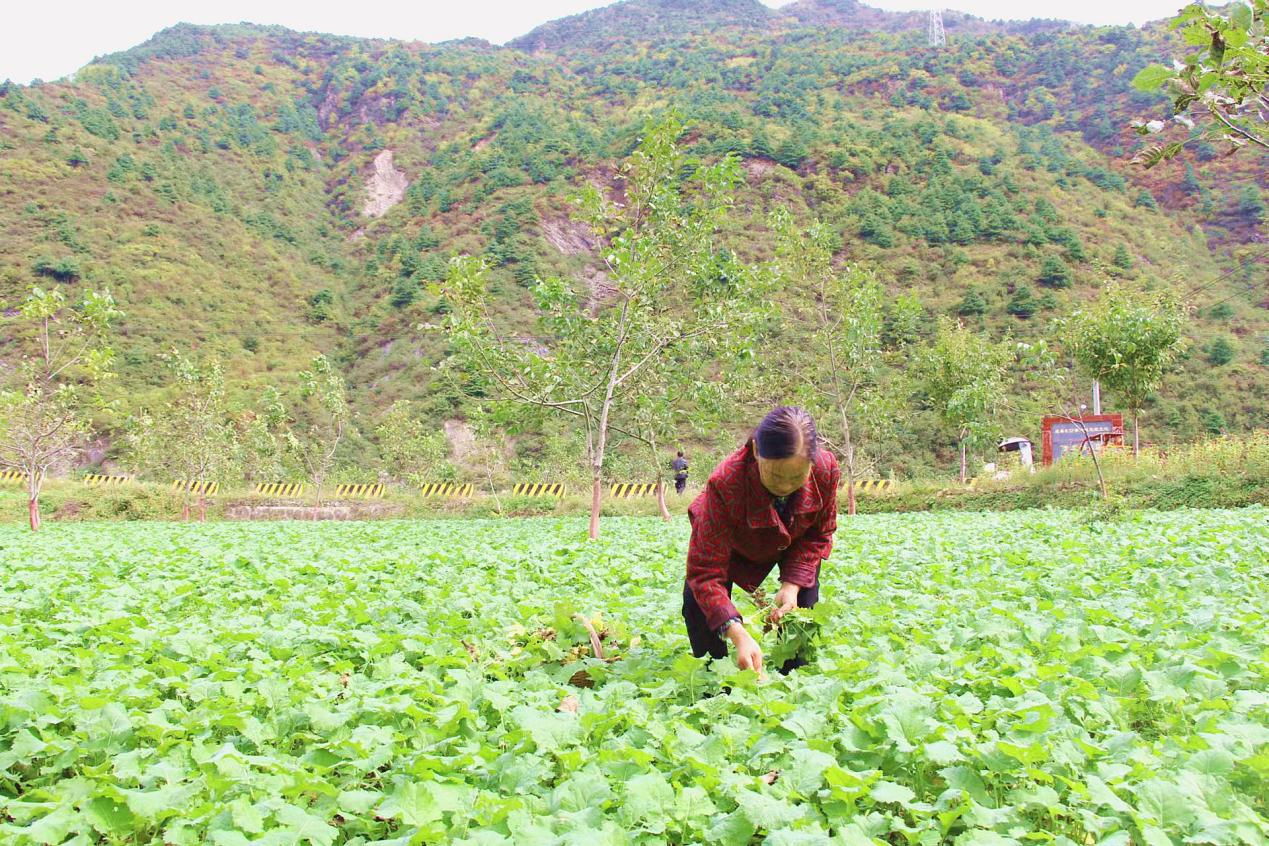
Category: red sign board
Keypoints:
(1069, 434)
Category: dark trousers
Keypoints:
(680, 485)
(705, 641)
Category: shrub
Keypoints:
(1220, 352)
(1055, 273)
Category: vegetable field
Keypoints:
(977, 679)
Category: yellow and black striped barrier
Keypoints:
(873, 485)
(370, 491)
(626, 490)
(97, 480)
(538, 489)
(449, 490)
(11, 477)
(289, 489)
(195, 486)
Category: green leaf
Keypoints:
(767, 812)
(649, 800)
(1215, 762)
(1241, 18)
(306, 826)
(984, 837)
(585, 789)
(53, 827)
(1152, 77)
(734, 829)
(693, 803)
(358, 801)
(796, 837)
(942, 752)
(889, 792)
(156, 804)
(109, 816)
(968, 780)
(413, 803)
(229, 838)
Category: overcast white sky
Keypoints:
(48, 40)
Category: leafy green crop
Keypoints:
(979, 679)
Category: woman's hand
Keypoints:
(786, 599)
(748, 652)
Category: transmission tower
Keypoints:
(938, 38)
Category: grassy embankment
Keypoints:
(1226, 472)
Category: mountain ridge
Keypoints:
(216, 181)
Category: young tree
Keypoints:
(42, 413)
(262, 433)
(191, 436)
(1126, 341)
(845, 375)
(963, 377)
(328, 415)
(666, 287)
(1222, 82)
(417, 452)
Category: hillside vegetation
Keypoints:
(264, 195)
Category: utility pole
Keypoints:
(938, 38)
(1097, 397)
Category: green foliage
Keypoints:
(413, 449)
(1146, 728)
(668, 292)
(321, 305)
(1122, 259)
(962, 376)
(66, 269)
(190, 435)
(1127, 341)
(259, 198)
(1251, 205)
(844, 380)
(1055, 273)
(973, 304)
(47, 399)
(1221, 311)
(1225, 77)
(1023, 303)
(1220, 352)
(325, 394)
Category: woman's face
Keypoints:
(782, 476)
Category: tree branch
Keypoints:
(1236, 129)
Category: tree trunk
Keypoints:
(202, 507)
(33, 500)
(848, 457)
(1136, 436)
(185, 510)
(600, 449)
(963, 462)
(596, 500)
(656, 462)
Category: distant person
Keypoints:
(772, 503)
(679, 466)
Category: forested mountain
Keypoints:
(262, 194)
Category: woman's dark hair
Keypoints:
(787, 431)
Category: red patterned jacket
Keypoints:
(738, 537)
